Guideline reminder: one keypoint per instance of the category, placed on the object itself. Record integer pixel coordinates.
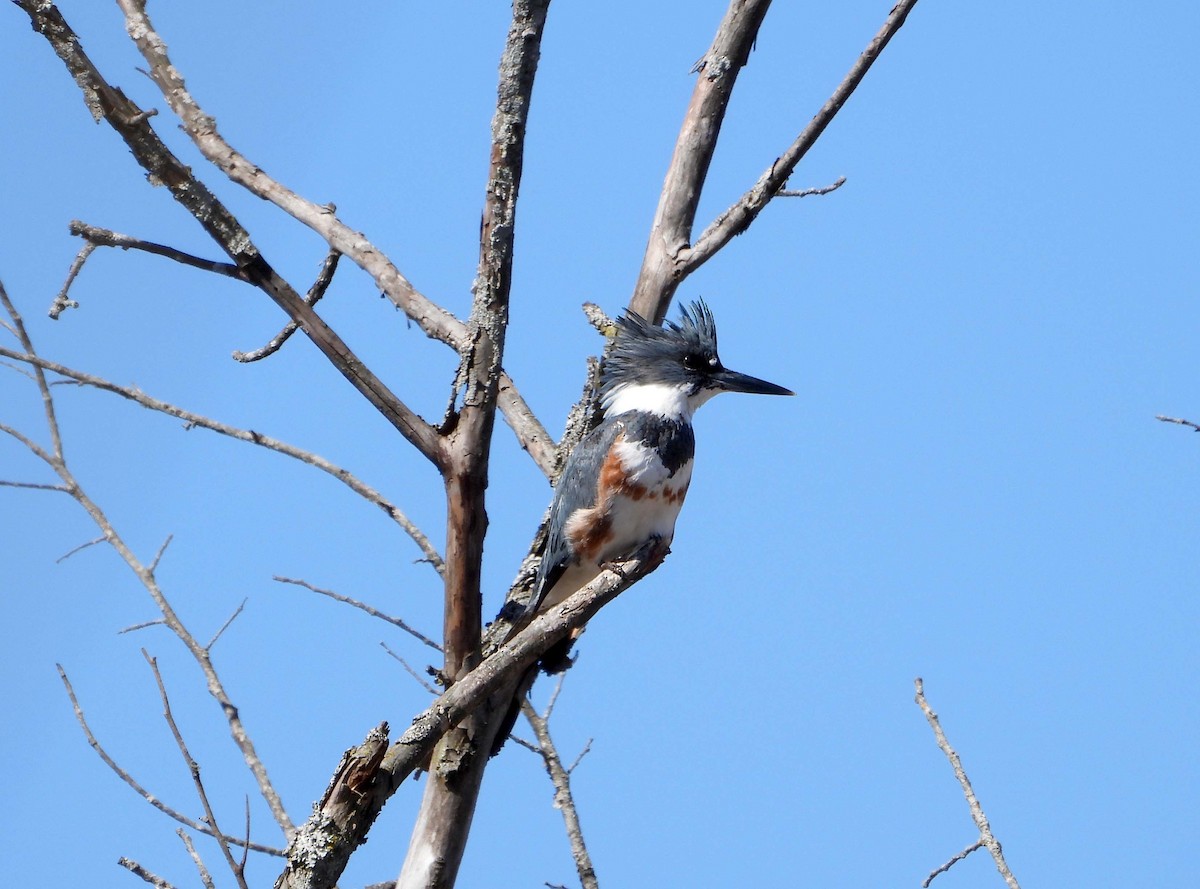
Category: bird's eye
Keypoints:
(697, 362)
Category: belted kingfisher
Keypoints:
(624, 483)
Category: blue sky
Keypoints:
(971, 487)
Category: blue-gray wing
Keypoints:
(577, 489)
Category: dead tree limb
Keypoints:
(439, 836)
(671, 231)
(670, 253)
(250, 436)
(321, 848)
(986, 838)
(743, 212)
(111, 105)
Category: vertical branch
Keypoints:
(440, 834)
(469, 443)
(671, 231)
(564, 801)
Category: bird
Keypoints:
(625, 482)
(623, 485)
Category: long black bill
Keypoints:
(732, 381)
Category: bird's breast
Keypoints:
(639, 493)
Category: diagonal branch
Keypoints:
(153, 800)
(363, 606)
(131, 123)
(351, 481)
(671, 230)
(738, 217)
(315, 294)
(320, 849)
(670, 257)
(145, 574)
(564, 800)
(194, 768)
(432, 319)
(986, 838)
(103, 237)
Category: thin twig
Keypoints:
(132, 782)
(18, 326)
(528, 745)
(743, 212)
(986, 838)
(36, 486)
(153, 566)
(942, 868)
(103, 237)
(809, 192)
(564, 801)
(157, 622)
(225, 626)
(558, 687)
(79, 548)
(137, 870)
(374, 612)
(250, 436)
(62, 302)
(246, 835)
(587, 748)
(314, 295)
(205, 876)
(1195, 427)
(194, 768)
(411, 672)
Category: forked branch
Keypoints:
(986, 839)
(322, 847)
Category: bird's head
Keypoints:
(673, 369)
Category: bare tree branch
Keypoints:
(77, 549)
(174, 814)
(811, 192)
(62, 302)
(194, 767)
(351, 481)
(444, 821)
(1195, 427)
(411, 672)
(314, 295)
(103, 237)
(564, 801)
(108, 103)
(942, 868)
(34, 486)
(57, 462)
(205, 876)
(225, 626)
(362, 606)
(738, 217)
(320, 849)
(671, 230)
(136, 869)
(986, 839)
